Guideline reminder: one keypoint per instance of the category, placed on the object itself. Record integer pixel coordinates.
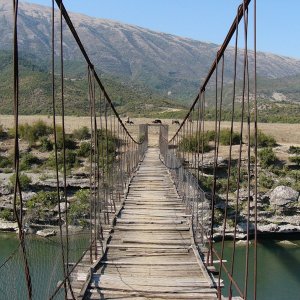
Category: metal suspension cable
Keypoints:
(17, 185)
(255, 162)
(230, 154)
(55, 146)
(84, 53)
(214, 65)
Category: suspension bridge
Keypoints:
(150, 226)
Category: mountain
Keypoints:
(36, 86)
(167, 64)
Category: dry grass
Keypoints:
(287, 134)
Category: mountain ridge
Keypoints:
(168, 64)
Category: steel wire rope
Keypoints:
(239, 166)
(86, 57)
(17, 185)
(62, 87)
(248, 152)
(213, 66)
(230, 153)
(255, 156)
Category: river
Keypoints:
(278, 272)
(278, 269)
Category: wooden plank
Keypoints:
(151, 254)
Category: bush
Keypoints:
(43, 199)
(69, 142)
(6, 162)
(27, 160)
(267, 157)
(193, 143)
(295, 159)
(25, 181)
(46, 144)
(190, 143)
(107, 147)
(294, 150)
(3, 133)
(263, 140)
(84, 149)
(82, 133)
(31, 133)
(266, 181)
(80, 208)
(7, 215)
(71, 160)
(225, 137)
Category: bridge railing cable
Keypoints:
(214, 163)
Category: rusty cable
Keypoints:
(17, 185)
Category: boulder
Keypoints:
(289, 228)
(242, 227)
(8, 226)
(46, 232)
(4, 190)
(287, 243)
(283, 195)
(62, 207)
(28, 195)
(268, 228)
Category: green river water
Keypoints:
(278, 272)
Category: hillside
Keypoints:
(163, 62)
(35, 90)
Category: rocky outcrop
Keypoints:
(283, 195)
(8, 226)
(62, 206)
(46, 232)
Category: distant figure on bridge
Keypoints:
(175, 122)
(128, 121)
(157, 121)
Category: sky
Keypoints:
(278, 22)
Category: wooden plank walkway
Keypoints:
(151, 254)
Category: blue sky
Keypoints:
(206, 20)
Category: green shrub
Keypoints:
(267, 157)
(84, 149)
(3, 133)
(43, 199)
(295, 159)
(31, 133)
(27, 160)
(25, 181)
(193, 144)
(7, 215)
(71, 160)
(69, 142)
(80, 208)
(190, 143)
(46, 144)
(82, 133)
(294, 150)
(107, 147)
(225, 137)
(263, 140)
(266, 181)
(6, 162)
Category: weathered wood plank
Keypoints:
(151, 254)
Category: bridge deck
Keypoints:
(151, 254)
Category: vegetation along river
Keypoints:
(278, 271)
